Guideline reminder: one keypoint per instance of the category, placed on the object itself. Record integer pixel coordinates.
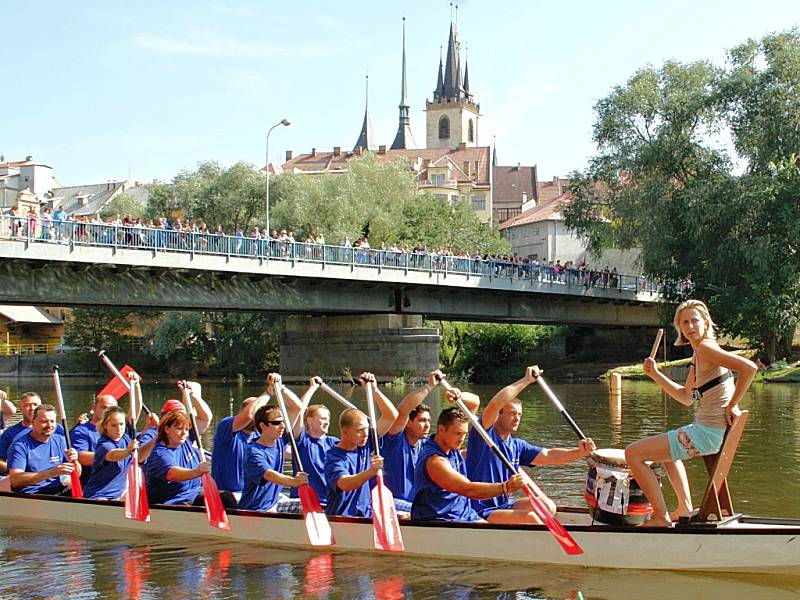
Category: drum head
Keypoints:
(610, 457)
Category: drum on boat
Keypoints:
(612, 494)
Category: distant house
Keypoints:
(29, 330)
(512, 187)
(539, 232)
(18, 176)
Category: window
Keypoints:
(479, 202)
(440, 197)
(444, 128)
(471, 131)
(437, 179)
(453, 200)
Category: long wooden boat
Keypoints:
(740, 544)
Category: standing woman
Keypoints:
(711, 383)
(112, 456)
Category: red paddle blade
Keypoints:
(217, 517)
(75, 482)
(115, 387)
(386, 533)
(562, 536)
(317, 525)
(136, 505)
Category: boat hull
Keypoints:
(745, 545)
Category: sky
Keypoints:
(141, 90)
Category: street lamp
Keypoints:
(285, 123)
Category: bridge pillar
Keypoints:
(386, 345)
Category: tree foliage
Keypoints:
(663, 180)
(123, 205)
(378, 198)
(97, 329)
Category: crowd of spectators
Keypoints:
(196, 236)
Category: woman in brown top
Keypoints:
(711, 383)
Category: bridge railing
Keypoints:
(77, 233)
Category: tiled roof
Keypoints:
(509, 184)
(98, 195)
(328, 162)
(548, 209)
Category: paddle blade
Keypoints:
(217, 517)
(386, 533)
(115, 387)
(136, 505)
(75, 482)
(562, 536)
(317, 525)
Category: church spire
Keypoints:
(438, 93)
(452, 68)
(365, 136)
(403, 139)
(466, 77)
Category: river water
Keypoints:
(73, 562)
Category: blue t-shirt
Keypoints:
(483, 465)
(108, 479)
(433, 502)
(32, 456)
(400, 459)
(228, 455)
(339, 462)
(15, 432)
(312, 453)
(161, 460)
(260, 494)
(84, 437)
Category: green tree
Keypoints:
(123, 205)
(661, 181)
(97, 329)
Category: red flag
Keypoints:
(115, 387)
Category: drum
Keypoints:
(612, 494)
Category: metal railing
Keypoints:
(17, 349)
(77, 233)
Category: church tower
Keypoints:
(403, 139)
(452, 117)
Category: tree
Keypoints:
(662, 181)
(123, 205)
(97, 329)
(378, 198)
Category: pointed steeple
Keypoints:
(403, 139)
(466, 76)
(438, 93)
(452, 68)
(494, 150)
(365, 136)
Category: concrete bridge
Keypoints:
(319, 280)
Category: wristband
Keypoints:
(504, 487)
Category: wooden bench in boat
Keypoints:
(716, 505)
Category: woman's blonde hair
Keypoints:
(314, 410)
(700, 307)
(107, 414)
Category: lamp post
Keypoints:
(285, 123)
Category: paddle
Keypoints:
(386, 533)
(336, 395)
(120, 377)
(560, 407)
(317, 526)
(136, 505)
(217, 517)
(656, 343)
(74, 476)
(533, 492)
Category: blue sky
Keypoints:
(103, 90)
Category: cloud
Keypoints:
(218, 47)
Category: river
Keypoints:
(73, 562)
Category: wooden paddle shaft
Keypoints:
(118, 375)
(560, 407)
(187, 401)
(60, 401)
(656, 343)
(290, 434)
(372, 422)
(336, 395)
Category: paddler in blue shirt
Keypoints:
(402, 443)
(350, 465)
(501, 418)
(442, 490)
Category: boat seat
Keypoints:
(716, 505)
